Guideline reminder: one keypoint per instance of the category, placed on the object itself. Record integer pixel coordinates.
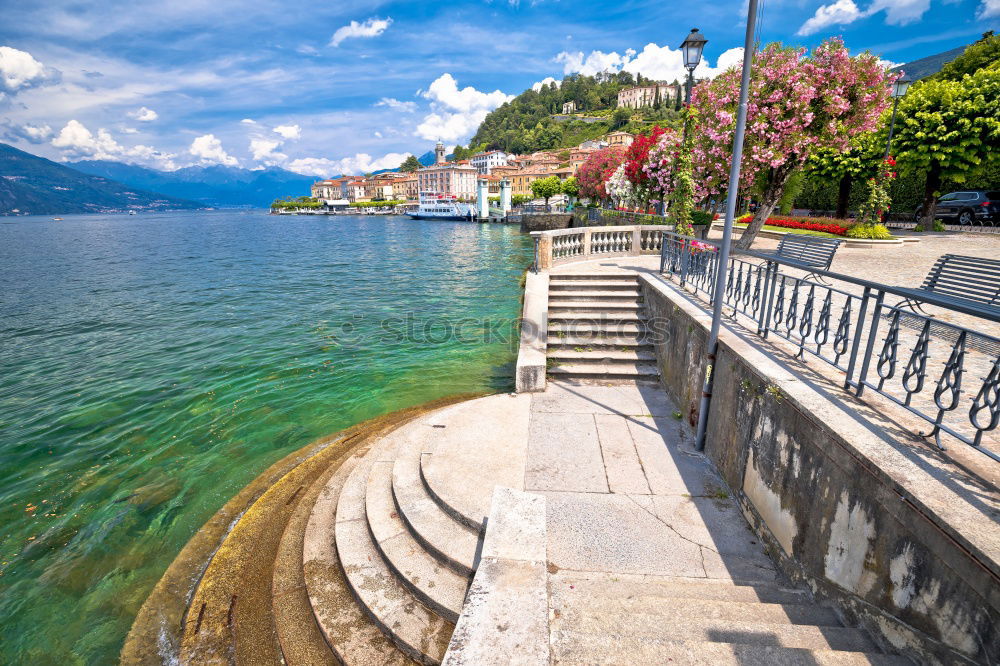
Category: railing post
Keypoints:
(769, 287)
(586, 242)
(636, 248)
(856, 343)
(867, 359)
(544, 251)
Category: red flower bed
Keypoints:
(799, 223)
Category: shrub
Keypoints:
(869, 231)
(700, 218)
(918, 228)
(939, 226)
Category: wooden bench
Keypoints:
(809, 252)
(971, 282)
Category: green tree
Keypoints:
(682, 198)
(571, 187)
(620, 118)
(410, 164)
(844, 167)
(949, 129)
(980, 54)
(543, 188)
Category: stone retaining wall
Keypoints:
(894, 538)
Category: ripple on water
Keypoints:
(153, 365)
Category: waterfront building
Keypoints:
(380, 187)
(324, 189)
(486, 162)
(522, 179)
(619, 138)
(458, 180)
(405, 187)
(638, 97)
(356, 190)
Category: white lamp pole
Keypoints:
(727, 234)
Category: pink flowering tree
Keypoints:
(660, 165)
(798, 104)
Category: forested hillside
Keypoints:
(533, 120)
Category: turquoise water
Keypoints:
(151, 366)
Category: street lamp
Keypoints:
(899, 88)
(691, 49)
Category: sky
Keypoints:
(323, 88)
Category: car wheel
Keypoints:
(965, 218)
(917, 216)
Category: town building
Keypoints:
(405, 187)
(356, 190)
(638, 97)
(619, 138)
(458, 180)
(569, 107)
(522, 179)
(486, 162)
(577, 157)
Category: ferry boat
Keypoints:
(436, 206)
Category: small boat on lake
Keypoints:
(437, 206)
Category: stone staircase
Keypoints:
(597, 328)
(619, 619)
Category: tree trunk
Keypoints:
(843, 196)
(929, 207)
(772, 195)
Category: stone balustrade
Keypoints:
(566, 245)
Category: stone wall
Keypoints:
(545, 221)
(891, 536)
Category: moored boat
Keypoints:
(437, 206)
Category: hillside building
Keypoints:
(569, 107)
(619, 138)
(486, 162)
(638, 97)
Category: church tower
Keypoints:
(439, 151)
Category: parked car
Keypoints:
(980, 207)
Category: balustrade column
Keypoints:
(544, 252)
(586, 242)
(636, 240)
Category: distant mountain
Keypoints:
(932, 64)
(34, 185)
(218, 186)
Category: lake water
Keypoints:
(151, 366)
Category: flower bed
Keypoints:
(806, 224)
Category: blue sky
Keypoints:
(326, 87)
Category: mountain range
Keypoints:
(217, 186)
(34, 185)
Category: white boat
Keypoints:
(131, 212)
(436, 206)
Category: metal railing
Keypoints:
(980, 228)
(851, 325)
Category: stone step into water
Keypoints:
(569, 341)
(597, 316)
(564, 355)
(593, 306)
(588, 294)
(623, 370)
(588, 285)
(433, 584)
(454, 544)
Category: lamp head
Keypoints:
(692, 48)
(900, 86)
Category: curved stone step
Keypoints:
(346, 627)
(453, 543)
(438, 587)
(482, 444)
(415, 629)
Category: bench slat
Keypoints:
(966, 278)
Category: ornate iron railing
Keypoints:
(950, 375)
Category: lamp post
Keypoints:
(899, 88)
(722, 272)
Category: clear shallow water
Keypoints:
(151, 366)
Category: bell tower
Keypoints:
(439, 151)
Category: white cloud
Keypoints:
(76, 141)
(593, 63)
(656, 62)
(378, 135)
(373, 27)
(19, 70)
(263, 151)
(144, 115)
(289, 131)
(840, 12)
(900, 12)
(393, 103)
(248, 121)
(988, 9)
(888, 64)
(358, 164)
(28, 132)
(129, 130)
(456, 113)
(537, 85)
(209, 150)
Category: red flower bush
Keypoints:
(594, 173)
(638, 154)
(804, 224)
